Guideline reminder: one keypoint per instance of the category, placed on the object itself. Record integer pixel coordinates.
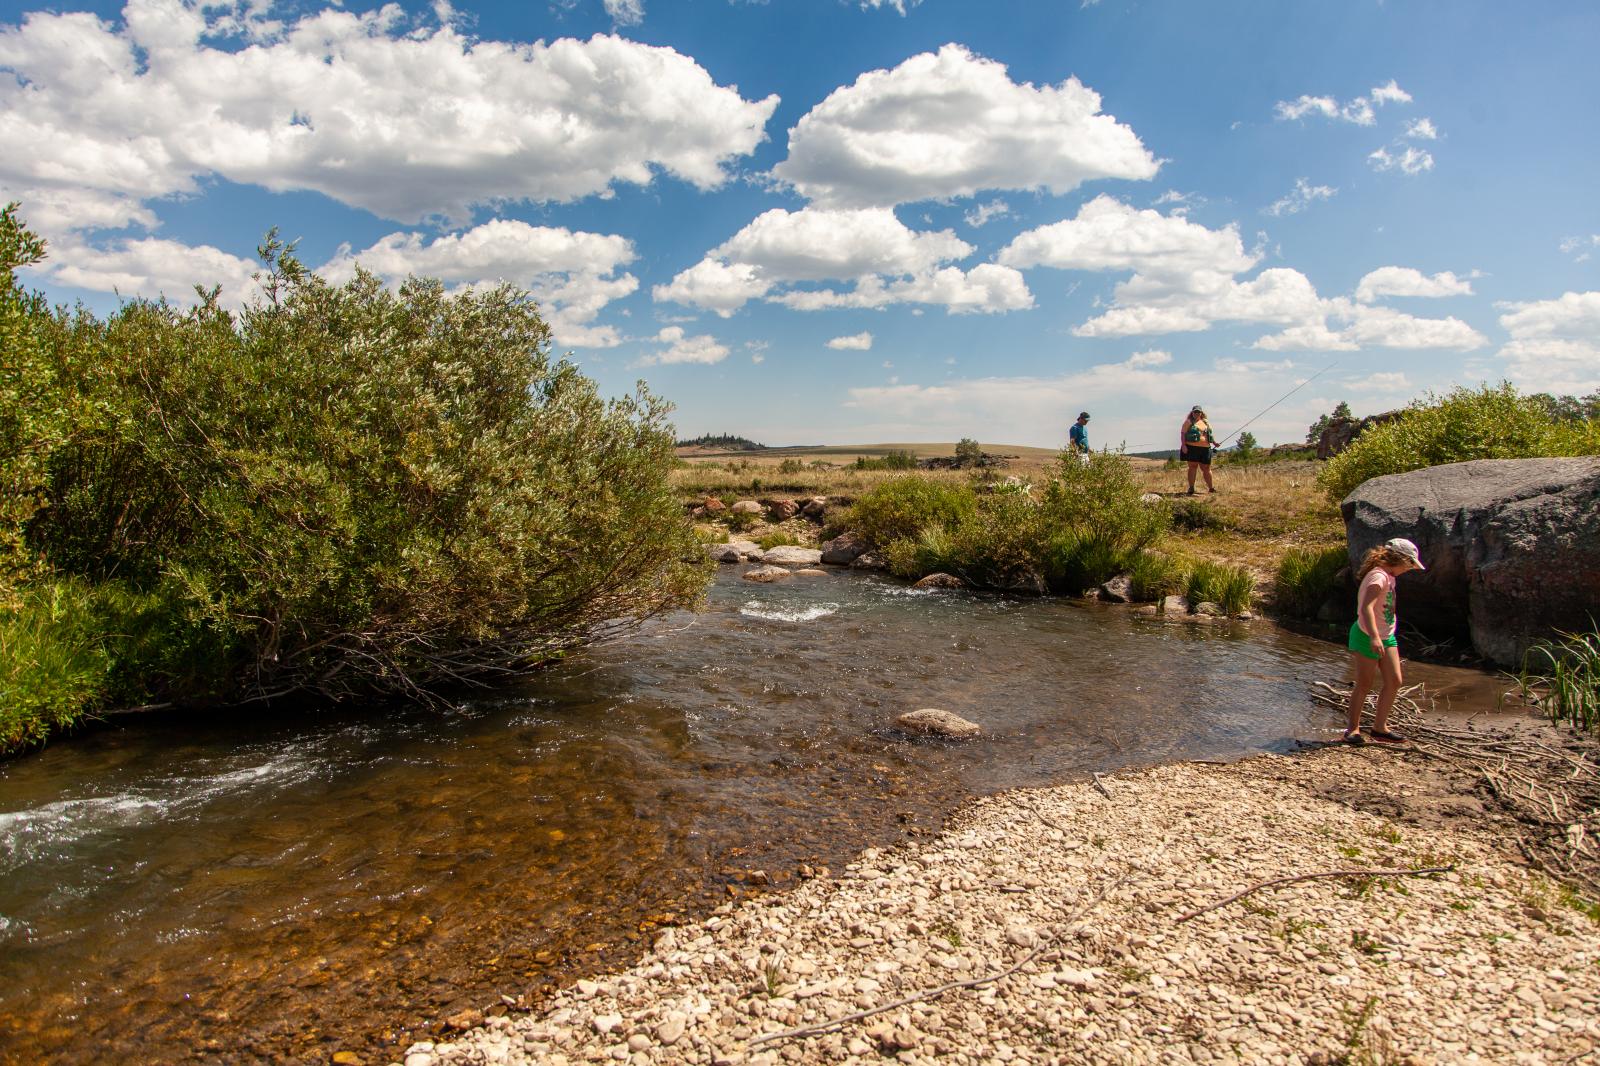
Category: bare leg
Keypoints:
(1392, 678)
(1206, 470)
(1194, 468)
(1366, 673)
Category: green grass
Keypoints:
(1565, 676)
(777, 539)
(1305, 579)
(1230, 587)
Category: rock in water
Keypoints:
(1174, 605)
(1512, 547)
(1118, 590)
(1210, 610)
(940, 581)
(936, 723)
(792, 555)
(843, 549)
(766, 574)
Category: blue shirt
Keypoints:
(1079, 436)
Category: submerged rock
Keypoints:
(1209, 609)
(940, 581)
(767, 574)
(930, 721)
(1174, 605)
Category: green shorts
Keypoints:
(1361, 644)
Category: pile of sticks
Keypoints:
(1549, 783)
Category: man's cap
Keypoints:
(1083, 414)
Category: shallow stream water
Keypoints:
(241, 889)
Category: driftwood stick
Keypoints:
(1315, 877)
(1100, 787)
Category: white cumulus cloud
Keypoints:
(1408, 281)
(572, 275)
(151, 268)
(859, 342)
(887, 261)
(405, 118)
(951, 124)
(1422, 129)
(1408, 159)
(680, 348)
(1555, 344)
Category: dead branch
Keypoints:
(1315, 877)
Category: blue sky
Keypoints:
(835, 221)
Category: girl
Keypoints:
(1373, 647)
(1194, 444)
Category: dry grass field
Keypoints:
(1260, 511)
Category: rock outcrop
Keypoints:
(1512, 547)
(1340, 433)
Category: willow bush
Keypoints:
(1087, 525)
(1489, 422)
(347, 489)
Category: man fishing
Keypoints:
(1078, 438)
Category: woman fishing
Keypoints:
(1195, 443)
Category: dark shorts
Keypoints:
(1197, 455)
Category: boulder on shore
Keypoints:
(933, 722)
(746, 507)
(1118, 590)
(791, 555)
(869, 561)
(735, 551)
(940, 581)
(1512, 547)
(843, 549)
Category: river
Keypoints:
(243, 888)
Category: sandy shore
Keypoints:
(1082, 899)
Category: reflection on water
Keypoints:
(240, 890)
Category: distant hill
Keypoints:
(724, 442)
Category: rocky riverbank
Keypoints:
(1093, 923)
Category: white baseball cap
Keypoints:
(1406, 548)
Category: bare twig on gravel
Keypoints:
(1100, 787)
(1315, 877)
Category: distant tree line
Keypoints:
(725, 441)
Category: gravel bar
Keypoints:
(1057, 915)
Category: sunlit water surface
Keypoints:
(239, 889)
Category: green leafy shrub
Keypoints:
(905, 506)
(51, 666)
(895, 459)
(348, 489)
(1305, 579)
(791, 466)
(968, 452)
(1228, 586)
(776, 539)
(1489, 422)
(1093, 521)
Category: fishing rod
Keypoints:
(1276, 402)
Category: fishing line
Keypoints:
(1276, 402)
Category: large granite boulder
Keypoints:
(1512, 547)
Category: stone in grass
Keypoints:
(747, 507)
(940, 581)
(931, 721)
(1118, 590)
(1209, 609)
(766, 574)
